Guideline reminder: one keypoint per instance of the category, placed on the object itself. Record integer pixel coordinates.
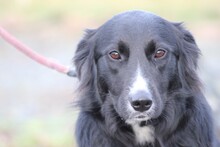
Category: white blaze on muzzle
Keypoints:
(139, 84)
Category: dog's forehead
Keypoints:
(134, 21)
(137, 27)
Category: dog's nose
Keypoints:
(141, 105)
(141, 101)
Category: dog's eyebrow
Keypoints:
(153, 45)
(150, 47)
(123, 47)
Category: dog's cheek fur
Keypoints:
(113, 99)
(108, 80)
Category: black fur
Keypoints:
(180, 116)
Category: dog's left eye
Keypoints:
(159, 53)
(115, 55)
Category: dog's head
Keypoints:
(133, 62)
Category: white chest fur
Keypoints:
(143, 134)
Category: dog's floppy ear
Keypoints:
(188, 59)
(84, 61)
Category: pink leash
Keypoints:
(36, 56)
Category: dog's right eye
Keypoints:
(159, 53)
(115, 55)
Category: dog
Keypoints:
(139, 86)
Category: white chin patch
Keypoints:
(143, 134)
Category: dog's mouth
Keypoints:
(142, 120)
(137, 119)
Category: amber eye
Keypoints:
(115, 55)
(159, 53)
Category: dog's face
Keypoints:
(135, 62)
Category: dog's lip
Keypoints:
(143, 120)
(138, 118)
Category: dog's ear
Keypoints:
(187, 59)
(84, 60)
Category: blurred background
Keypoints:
(35, 102)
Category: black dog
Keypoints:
(139, 86)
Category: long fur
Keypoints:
(185, 120)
